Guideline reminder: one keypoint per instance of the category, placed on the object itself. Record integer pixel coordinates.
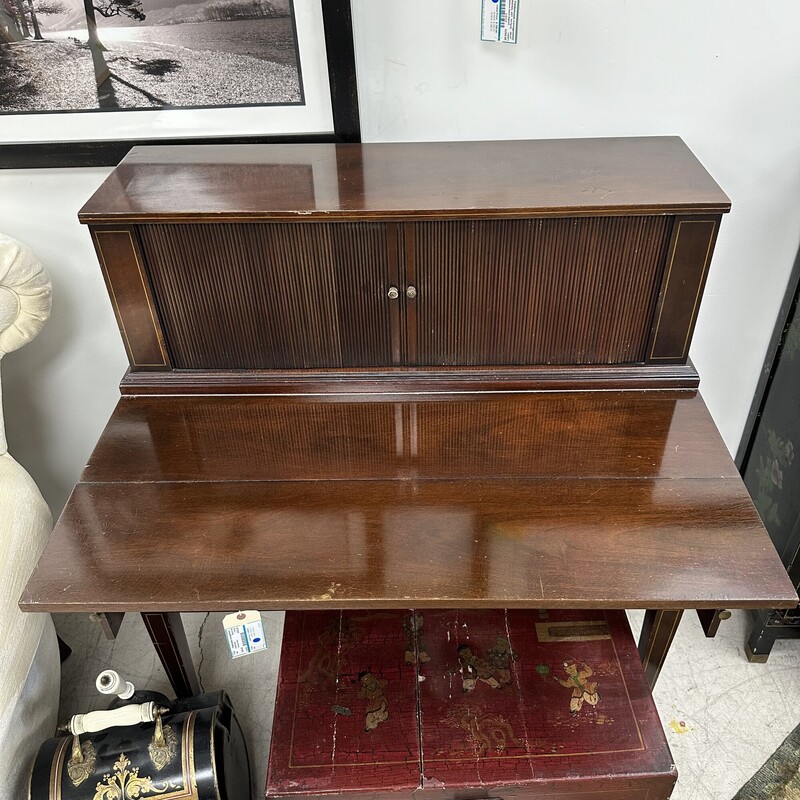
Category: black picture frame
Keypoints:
(338, 24)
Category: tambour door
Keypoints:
(267, 295)
(532, 291)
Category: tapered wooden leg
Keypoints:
(710, 620)
(658, 631)
(169, 638)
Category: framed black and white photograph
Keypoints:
(91, 78)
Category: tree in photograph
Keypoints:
(106, 8)
(22, 20)
(10, 30)
(37, 33)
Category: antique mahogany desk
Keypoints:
(408, 375)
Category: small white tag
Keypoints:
(244, 633)
(499, 20)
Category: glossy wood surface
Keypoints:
(657, 435)
(394, 381)
(648, 175)
(604, 499)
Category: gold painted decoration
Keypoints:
(81, 762)
(590, 631)
(125, 784)
(377, 708)
(164, 745)
(583, 690)
(488, 732)
(494, 670)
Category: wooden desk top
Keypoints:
(572, 177)
(582, 499)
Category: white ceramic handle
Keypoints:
(111, 682)
(100, 720)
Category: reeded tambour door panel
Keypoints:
(271, 295)
(545, 291)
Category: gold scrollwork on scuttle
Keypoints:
(164, 745)
(126, 784)
(81, 762)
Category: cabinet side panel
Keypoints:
(271, 295)
(573, 291)
(689, 257)
(129, 290)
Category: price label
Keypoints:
(244, 633)
(499, 21)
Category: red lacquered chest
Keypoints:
(465, 704)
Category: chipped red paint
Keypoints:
(529, 700)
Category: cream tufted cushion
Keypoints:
(25, 300)
(30, 675)
(25, 297)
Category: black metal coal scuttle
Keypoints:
(146, 746)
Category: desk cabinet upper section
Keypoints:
(479, 261)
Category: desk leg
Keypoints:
(658, 631)
(169, 639)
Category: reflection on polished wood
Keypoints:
(584, 499)
(440, 179)
(559, 434)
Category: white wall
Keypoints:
(722, 73)
(59, 390)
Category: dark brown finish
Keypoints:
(561, 177)
(109, 623)
(393, 275)
(123, 270)
(272, 296)
(557, 291)
(684, 278)
(389, 382)
(570, 435)
(386, 544)
(506, 501)
(658, 631)
(169, 638)
(710, 620)
(305, 264)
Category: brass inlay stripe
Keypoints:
(189, 789)
(713, 224)
(115, 302)
(56, 769)
(652, 640)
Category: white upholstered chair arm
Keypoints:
(29, 679)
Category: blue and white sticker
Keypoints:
(244, 633)
(499, 21)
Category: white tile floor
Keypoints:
(735, 713)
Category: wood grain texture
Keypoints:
(688, 261)
(490, 501)
(562, 434)
(403, 381)
(272, 296)
(559, 291)
(658, 631)
(551, 542)
(648, 175)
(131, 298)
